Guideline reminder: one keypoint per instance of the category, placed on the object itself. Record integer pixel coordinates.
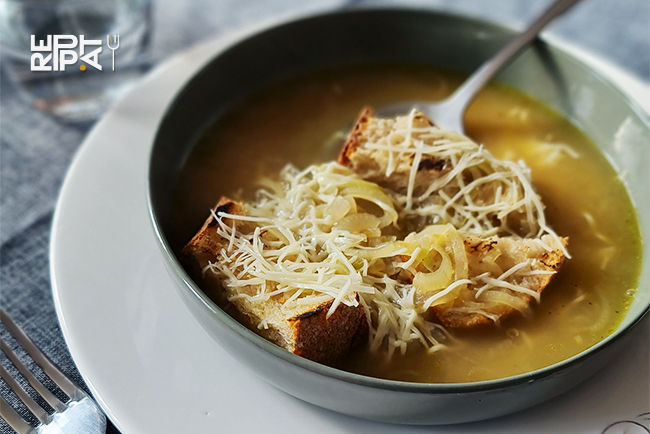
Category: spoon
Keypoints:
(449, 112)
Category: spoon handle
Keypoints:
(466, 92)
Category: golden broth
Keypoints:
(293, 122)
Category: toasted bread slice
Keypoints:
(486, 254)
(371, 164)
(305, 331)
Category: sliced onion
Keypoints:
(373, 193)
(501, 297)
(382, 251)
(428, 283)
(443, 241)
(338, 209)
(461, 263)
(358, 222)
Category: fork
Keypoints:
(79, 415)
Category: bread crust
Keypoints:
(371, 164)
(325, 339)
(355, 137)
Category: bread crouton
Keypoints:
(371, 164)
(441, 176)
(495, 255)
(305, 330)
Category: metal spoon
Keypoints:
(449, 112)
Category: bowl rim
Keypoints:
(334, 373)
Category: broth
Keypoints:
(293, 122)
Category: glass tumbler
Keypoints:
(74, 89)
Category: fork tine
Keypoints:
(41, 359)
(13, 419)
(31, 379)
(24, 397)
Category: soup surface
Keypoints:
(295, 121)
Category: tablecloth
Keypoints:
(36, 149)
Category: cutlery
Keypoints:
(79, 415)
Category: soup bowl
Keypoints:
(425, 37)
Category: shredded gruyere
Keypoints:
(323, 234)
(317, 236)
(475, 192)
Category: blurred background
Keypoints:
(37, 144)
(592, 24)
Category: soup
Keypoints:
(295, 121)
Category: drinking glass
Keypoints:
(81, 93)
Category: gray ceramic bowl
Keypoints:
(413, 36)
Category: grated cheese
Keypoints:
(475, 192)
(323, 234)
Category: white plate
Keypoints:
(154, 370)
